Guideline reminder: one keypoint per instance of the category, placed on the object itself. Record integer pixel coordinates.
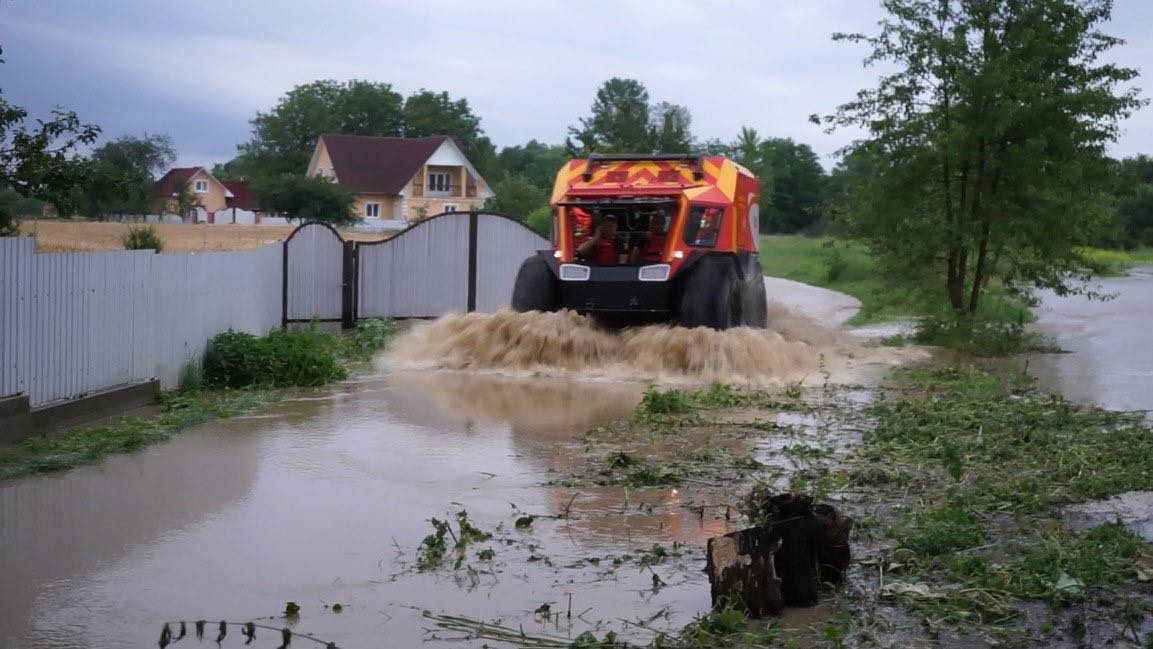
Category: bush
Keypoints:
(144, 237)
(290, 358)
(369, 337)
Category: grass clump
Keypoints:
(988, 462)
(144, 237)
(178, 410)
(731, 626)
(369, 337)
(283, 358)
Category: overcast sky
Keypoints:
(199, 71)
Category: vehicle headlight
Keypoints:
(574, 272)
(654, 273)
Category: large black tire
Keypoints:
(754, 302)
(710, 294)
(536, 287)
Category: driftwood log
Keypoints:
(795, 546)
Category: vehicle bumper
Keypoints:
(615, 289)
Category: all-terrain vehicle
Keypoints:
(651, 238)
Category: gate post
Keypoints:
(472, 227)
(348, 287)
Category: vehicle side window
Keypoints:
(703, 225)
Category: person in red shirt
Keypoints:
(602, 247)
(652, 248)
(582, 225)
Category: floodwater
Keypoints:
(325, 498)
(1109, 344)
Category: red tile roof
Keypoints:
(163, 187)
(242, 197)
(381, 165)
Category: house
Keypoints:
(401, 179)
(215, 201)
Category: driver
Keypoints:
(602, 247)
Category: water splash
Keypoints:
(564, 343)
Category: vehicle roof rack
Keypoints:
(596, 158)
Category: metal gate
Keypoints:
(319, 276)
(456, 261)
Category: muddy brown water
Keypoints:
(324, 498)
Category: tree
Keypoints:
(283, 139)
(436, 113)
(1133, 202)
(991, 134)
(298, 197)
(182, 200)
(537, 162)
(516, 196)
(40, 161)
(796, 182)
(124, 172)
(618, 123)
(670, 128)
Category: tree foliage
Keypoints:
(39, 160)
(1133, 202)
(123, 173)
(298, 197)
(537, 162)
(622, 120)
(516, 196)
(283, 138)
(990, 135)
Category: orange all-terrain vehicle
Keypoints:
(656, 238)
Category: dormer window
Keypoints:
(200, 186)
(439, 182)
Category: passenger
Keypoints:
(603, 247)
(581, 226)
(652, 247)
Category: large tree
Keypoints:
(990, 133)
(436, 113)
(125, 169)
(537, 162)
(619, 121)
(40, 160)
(297, 197)
(283, 138)
(516, 196)
(797, 184)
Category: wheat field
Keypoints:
(63, 235)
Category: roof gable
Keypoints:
(381, 165)
(164, 186)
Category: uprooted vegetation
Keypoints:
(956, 479)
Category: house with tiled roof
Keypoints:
(400, 179)
(217, 201)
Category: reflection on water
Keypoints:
(309, 501)
(1110, 344)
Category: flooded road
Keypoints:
(325, 499)
(1110, 344)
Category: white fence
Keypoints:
(77, 322)
(73, 323)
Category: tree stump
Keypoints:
(783, 560)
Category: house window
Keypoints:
(450, 207)
(200, 186)
(371, 210)
(439, 182)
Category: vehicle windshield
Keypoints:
(609, 233)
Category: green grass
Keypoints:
(840, 265)
(987, 462)
(1109, 262)
(85, 445)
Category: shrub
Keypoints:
(369, 337)
(290, 358)
(144, 237)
